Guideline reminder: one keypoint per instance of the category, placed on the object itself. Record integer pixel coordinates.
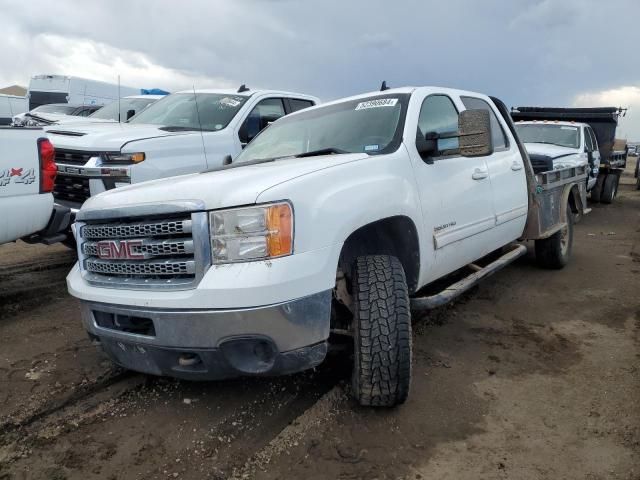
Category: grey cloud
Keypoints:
(541, 52)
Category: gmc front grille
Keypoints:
(148, 253)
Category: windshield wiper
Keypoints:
(322, 151)
(176, 128)
(549, 143)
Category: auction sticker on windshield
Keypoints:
(383, 102)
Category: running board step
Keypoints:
(458, 288)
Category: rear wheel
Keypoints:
(638, 183)
(555, 251)
(596, 191)
(610, 189)
(382, 327)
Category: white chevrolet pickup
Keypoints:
(185, 132)
(556, 144)
(328, 225)
(27, 174)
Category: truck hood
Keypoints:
(228, 187)
(553, 151)
(104, 137)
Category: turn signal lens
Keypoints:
(280, 226)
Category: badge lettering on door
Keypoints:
(442, 227)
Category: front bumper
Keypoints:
(213, 344)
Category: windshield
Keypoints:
(110, 112)
(61, 109)
(562, 135)
(180, 111)
(370, 125)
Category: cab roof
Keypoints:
(550, 122)
(250, 92)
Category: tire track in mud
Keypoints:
(199, 430)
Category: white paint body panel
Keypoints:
(23, 210)
(332, 196)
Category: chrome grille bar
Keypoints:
(136, 229)
(150, 248)
(144, 268)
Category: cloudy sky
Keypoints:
(538, 52)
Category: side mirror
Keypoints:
(474, 130)
(428, 145)
(130, 113)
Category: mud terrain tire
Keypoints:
(382, 332)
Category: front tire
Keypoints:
(554, 252)
(382, 332)
(610, 189)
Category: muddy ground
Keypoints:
(533, 375)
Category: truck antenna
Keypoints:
(384, 87)
(243, 88)
(119, 99)
(204, 148)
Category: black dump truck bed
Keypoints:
(603, 121)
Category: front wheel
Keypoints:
(382, 332)
(554, 252)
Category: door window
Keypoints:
(588, 141)
(299, 104)
(497, 133)
(265, 112)
(594, 141)
(438, 114)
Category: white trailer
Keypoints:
(46, 89)
(11, 105)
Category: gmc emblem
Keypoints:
(120, 250)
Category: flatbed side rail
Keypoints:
(547, 209)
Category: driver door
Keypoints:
(455, 192)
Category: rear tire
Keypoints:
(554, 252)
(382, 326)
(638, 183)
(610, 189)
(596, 191)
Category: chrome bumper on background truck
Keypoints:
(213, 344)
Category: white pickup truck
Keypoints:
(556, 144)
(328, 225)
(185, 132)
(27, 174)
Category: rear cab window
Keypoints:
(296, 104)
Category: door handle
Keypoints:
(479, 174)
(515, 166)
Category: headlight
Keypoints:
(252, 233)
(125, 157)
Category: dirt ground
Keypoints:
(533, 375)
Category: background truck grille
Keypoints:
(71, 188)
(74, 157)
(144, 253)
(541, 163)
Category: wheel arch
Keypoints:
(396, 236)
